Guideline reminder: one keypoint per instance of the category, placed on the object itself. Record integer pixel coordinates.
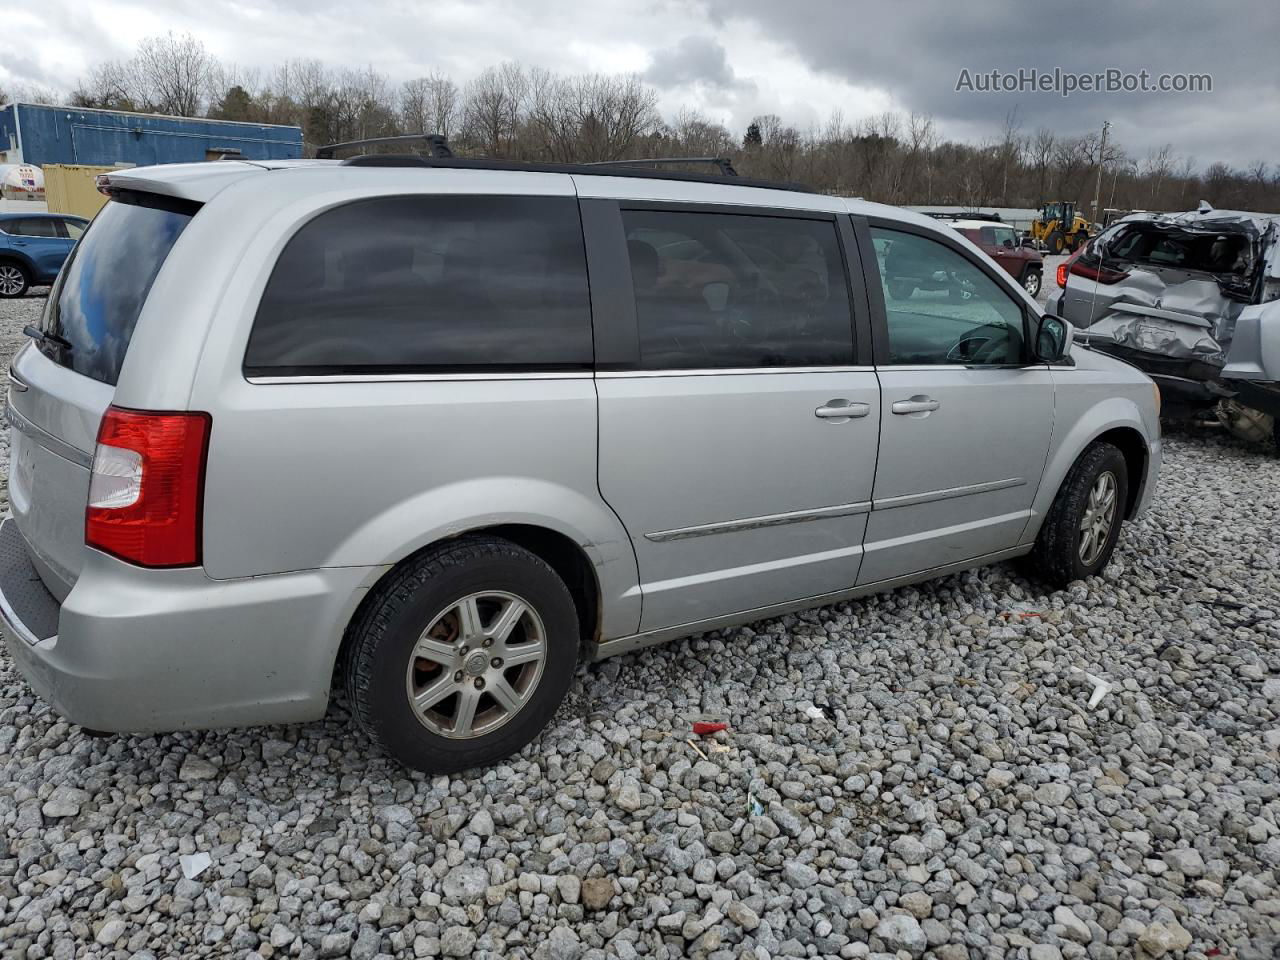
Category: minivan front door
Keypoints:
(965, 423)
(738, 440)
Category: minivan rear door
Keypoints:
(62, 382)
(738, 431)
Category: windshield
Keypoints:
(99, 294)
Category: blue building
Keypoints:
(37, 134)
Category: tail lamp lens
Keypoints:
(146, 490)
(1098, 272)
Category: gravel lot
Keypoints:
(955, 798)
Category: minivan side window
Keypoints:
(941, 308)
(716, 290)
(428, 284)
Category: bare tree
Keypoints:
(110, 86)
(28, 93)
(590, 117)
(494, 107)
(1040, 151)
(173, 74)
(429, 104)
(1155, 168)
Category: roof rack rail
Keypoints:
(965, 215)
(436, 143)
(579, 169)
(723, 164)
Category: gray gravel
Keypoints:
(950, 796)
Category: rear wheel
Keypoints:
(1031, 282)
(464, 656)
(14, 279)
(901, 289)
(1081, 529)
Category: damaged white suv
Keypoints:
(1193, 300)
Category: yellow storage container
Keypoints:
(71, 188)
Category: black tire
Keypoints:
(15, 279)
(1056, 558)
(381, 638)
(1056, 242)
(1031, 279)
(901, 289)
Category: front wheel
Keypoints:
(463, 657)
(1081, 529)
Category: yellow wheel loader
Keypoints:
(1060, 228)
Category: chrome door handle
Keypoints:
(840, 410)
(915, 405)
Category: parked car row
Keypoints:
(450, 425)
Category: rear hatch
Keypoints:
(62, 382)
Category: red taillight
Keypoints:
(1062, 274)
(147, 488)
(1099, 273)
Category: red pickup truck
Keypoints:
(1000, 242)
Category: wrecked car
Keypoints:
(1193, 300)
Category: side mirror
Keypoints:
(1052, 343)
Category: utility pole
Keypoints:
(1102, 153)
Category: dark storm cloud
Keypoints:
(916, 51)
(692, 60)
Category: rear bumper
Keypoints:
(137, 651)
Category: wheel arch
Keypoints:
(567, 558)
(9, 255)
(1118, 421)
(1134, 448)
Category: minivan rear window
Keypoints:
(95, 302)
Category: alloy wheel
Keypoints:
(11, 280)
(476, 665)
(1099, 515)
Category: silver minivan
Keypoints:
(436, 429)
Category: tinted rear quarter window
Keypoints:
(96, 300)
(425, 284)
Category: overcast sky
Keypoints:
(733, 59)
